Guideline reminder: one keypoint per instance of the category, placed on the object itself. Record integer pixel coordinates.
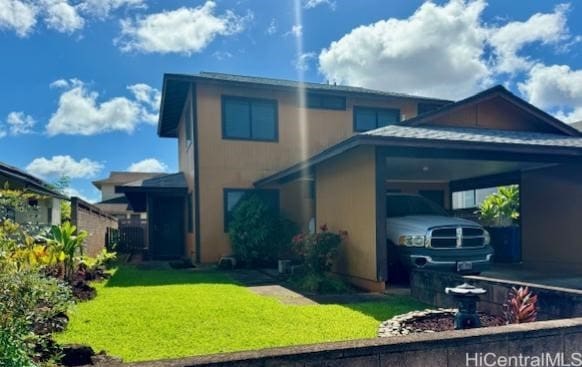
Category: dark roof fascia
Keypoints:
(487, 94)
(30, 182)
(168, 78)
(380, 94)
(551, 152)
(141, 189)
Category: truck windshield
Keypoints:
(404, 205)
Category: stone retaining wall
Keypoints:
(446, 349)
(553, 302)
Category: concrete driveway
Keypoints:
(553, 275)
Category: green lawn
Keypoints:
(153, 314)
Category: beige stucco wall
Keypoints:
(186, 164)
(237, 164)
(346, 200)
(551, 202)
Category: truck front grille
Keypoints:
(456, 237)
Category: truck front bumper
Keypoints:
(462, 260)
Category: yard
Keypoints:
(153, 314)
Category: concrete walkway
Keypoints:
(265, 283)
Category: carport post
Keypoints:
(381, 246)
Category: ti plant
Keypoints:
(521, 306)
(67, 240)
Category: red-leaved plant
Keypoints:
(318, 250)
(520, 306)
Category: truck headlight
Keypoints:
(486, 238)
(411, 240)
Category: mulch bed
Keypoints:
(445, 322)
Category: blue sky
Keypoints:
(81, 78)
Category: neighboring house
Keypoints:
(332, 161)
(116, 204)
(46, 210)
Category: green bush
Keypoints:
(501, 208)
(31, 309)
(258, 234)
(319, 283)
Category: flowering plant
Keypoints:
(318, 250)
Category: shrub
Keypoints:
(501, 208)
(65, 239)
(319, 283)
(258, 233)
(318, 250)
(32, 307)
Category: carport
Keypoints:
(491, 139)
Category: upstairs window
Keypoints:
(326, 101)
(249, 119)
(367, 118)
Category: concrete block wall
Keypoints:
(445, 349)
(91, 219)
(553, 302)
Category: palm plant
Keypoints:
(65, 239)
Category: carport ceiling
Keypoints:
(445, 170)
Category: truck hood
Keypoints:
(419, 224)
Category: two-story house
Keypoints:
(114, 203)
(328, 154)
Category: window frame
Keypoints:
(376, 110)
(322, 96)
(249, 100)
(226, 191)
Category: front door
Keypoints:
(166, 215)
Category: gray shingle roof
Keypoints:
(169, 181)
(309, 85)
(476, 135)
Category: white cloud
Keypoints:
(102, 8)
(65, 16)
(62, 16)
(63, 165)
(18, 16)
(296, 31)
(148, 165)
(513, 36)
(302, 62)
(556, 88)
(19, 123)
(272, 29)
(2, 133)
(310, 4)
(437, 52)
(80, 113)
(184, 30)
(445, 51)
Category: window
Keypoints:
(326, 101)
(366, 118)
(188, 122)
(249, 119)
(190, 214)
(471, 198)
(424, 107)
(233, 196)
